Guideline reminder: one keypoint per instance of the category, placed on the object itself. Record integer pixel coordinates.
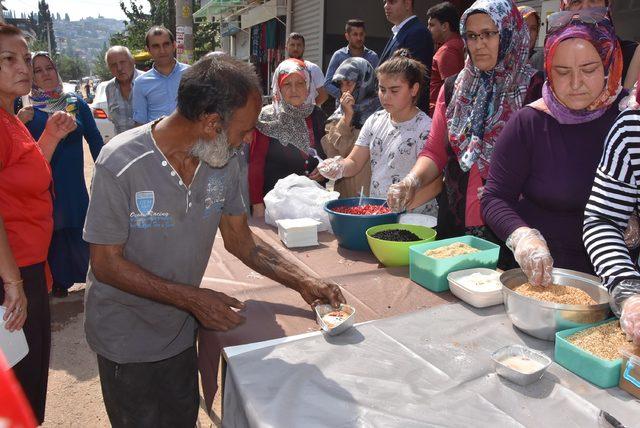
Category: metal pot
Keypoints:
(543, 319)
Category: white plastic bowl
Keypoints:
(479, 299)
(322, 310)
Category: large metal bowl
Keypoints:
(543, 319)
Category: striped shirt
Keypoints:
(614, 197)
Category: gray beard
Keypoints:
(215, 153)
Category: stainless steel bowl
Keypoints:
(513, 375)
(322, 310)
(543, 319)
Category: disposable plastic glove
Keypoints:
(332, 168)
(400, 195)
(630, 319)
(532, 254)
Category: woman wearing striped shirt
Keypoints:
(614, 197)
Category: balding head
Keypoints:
(120, 63)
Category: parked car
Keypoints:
(99, 110)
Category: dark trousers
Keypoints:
(33, 370)
(158, 394)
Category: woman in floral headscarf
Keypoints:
(471, 112)
(68, 253)
(358, 84)
(545, 159)
(289, 130)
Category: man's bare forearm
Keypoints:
(110, 267)
(264, 259)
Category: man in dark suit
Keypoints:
(409, 33)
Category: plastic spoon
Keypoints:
(361, 195)
(314, 153)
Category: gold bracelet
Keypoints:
(18, 282)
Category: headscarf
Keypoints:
(365, 93)
(482, 102)
(527, 11)
(281, 120)
(564, 4)
(603, 38)
(53, 100)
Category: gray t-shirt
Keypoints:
(167, 228)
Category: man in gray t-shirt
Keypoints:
(159, 194)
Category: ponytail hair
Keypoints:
(401, 63)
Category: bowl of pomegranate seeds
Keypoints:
(350, 219)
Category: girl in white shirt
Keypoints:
(391, 139)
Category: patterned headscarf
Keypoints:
(564, 4)
(365, 93)
(482, 102)
(527, 11)
(53, 100)
(603, 38)
(281, 120)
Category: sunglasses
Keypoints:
(592, 16)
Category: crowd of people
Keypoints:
(463, 119)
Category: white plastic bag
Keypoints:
(297, 196)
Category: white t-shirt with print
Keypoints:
(393, 148)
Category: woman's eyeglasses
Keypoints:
(484, 35)
(592, 16)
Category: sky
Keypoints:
(76, 9)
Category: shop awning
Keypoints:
(219, 7)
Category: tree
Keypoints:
(44, 30)
(100, 66)
(71, 68)
(57, 16)
(66, 17)
(162, 12)
(206, 35)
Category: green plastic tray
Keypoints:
(432, 273)
(603, 373)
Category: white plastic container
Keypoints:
(463, 285)
(418, 219)
(13, 344)
(299, 232)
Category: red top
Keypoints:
(436, 150)
(26, 207)
(447, 61)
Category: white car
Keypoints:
(99, 110)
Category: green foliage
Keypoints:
(100, 66)
(71, 68)
(44, 30)
(162, 12)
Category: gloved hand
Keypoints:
(401, 194)
(332, 168)
(532, 254)
(630, 319)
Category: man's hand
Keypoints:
(317, 292)
(25, 115)
(59, 125)
(213, 310)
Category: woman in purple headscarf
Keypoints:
(545, 159)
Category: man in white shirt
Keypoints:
(295, 49)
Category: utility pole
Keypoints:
(184, 31)
(1, 13)
(48, 24)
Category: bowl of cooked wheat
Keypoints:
(575, 299)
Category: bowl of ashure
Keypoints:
(520, 364)
(335, 321)
(574, 299)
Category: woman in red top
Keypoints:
(26, 221)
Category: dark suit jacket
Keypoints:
(414, 36)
